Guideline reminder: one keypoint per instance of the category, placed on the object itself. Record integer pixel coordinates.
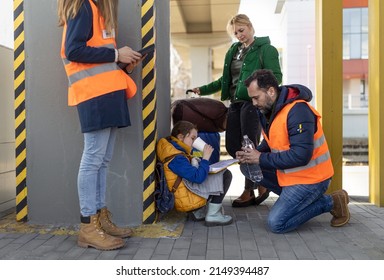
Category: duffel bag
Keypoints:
(207, 114)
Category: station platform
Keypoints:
(177, 238)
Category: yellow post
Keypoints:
(329, 81)
(376, 102)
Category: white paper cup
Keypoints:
(199, 144)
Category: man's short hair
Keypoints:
(265, 79)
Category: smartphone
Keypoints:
(146, 50)
(143, 51)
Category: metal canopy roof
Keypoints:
(201, 22)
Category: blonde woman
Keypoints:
(241, 60)
(99, 89)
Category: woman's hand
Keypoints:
(207, 151)
(132, 65)
(196, 90)
(127, 55)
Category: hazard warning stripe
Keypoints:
(149, 111)
(20, 115)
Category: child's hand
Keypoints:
(195, 162)
(207, 151)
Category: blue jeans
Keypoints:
(296, 204)
(92, 177)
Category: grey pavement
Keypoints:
(246, 239)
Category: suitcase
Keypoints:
(210, 117)
(208, 114)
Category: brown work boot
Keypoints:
(263, 195)
(340, 211)
(111, 228)
(247, 198)
(92, 235)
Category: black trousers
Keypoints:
(242, 120)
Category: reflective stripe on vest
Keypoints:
(316, 144)
(312, 163)
(98, 69)
(90, 80)
(318, 168)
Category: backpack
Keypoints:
(164, 199)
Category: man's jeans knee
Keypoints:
(297, 204)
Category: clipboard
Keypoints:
(221, 165)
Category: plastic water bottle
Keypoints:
(251, 170)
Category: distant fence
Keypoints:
(355, 101)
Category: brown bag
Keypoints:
(207, 114)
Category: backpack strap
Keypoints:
(177, 183)
(178, 179)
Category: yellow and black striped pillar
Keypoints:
(20, 116)
(149, 111)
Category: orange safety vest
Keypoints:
(89, 80)
(318, 169)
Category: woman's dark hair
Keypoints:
(265, 79)
(183, 128)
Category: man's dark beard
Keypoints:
(267, 110)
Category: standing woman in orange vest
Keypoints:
(99, 89)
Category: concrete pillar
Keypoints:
(329, 80)
(201, 65)
(54, 140)
(7, 132)
(376, 102)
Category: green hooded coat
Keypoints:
(262, 55)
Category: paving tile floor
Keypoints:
(246, 239)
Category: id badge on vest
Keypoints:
(108, 35)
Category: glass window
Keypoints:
(364, 46)
(355, 21)
(355, 33)
(346, 20)
(364, 20)
(355, 46)
(346, 44)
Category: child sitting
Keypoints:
(189, 179)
